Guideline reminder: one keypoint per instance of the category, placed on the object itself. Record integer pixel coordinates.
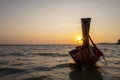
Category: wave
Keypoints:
(12, 54)
(43, 68)
(34, 54)
(4, 62)
(52, 54)
(9, 71)
(44, 77)
(16, 54)
(2, 55)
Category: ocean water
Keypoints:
(52, 62)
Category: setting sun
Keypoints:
(79, 38)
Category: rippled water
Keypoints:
(52, 62)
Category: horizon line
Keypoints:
(2, 44)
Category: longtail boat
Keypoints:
(86, 55)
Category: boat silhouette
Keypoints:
(86, 55)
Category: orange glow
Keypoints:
(78, 39)
(55, 23)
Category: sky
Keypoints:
(57, 21)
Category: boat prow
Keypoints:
(83, 58)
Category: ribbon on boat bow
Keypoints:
(97, 51)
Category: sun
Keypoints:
(79, 38)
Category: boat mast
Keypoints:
(85, 30)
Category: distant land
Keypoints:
(106, 43)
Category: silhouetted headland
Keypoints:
(118, 42)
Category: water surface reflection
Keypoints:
(92, 74)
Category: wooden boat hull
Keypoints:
(81, 55)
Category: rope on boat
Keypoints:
(97, 51)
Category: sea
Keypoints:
(53, 62)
